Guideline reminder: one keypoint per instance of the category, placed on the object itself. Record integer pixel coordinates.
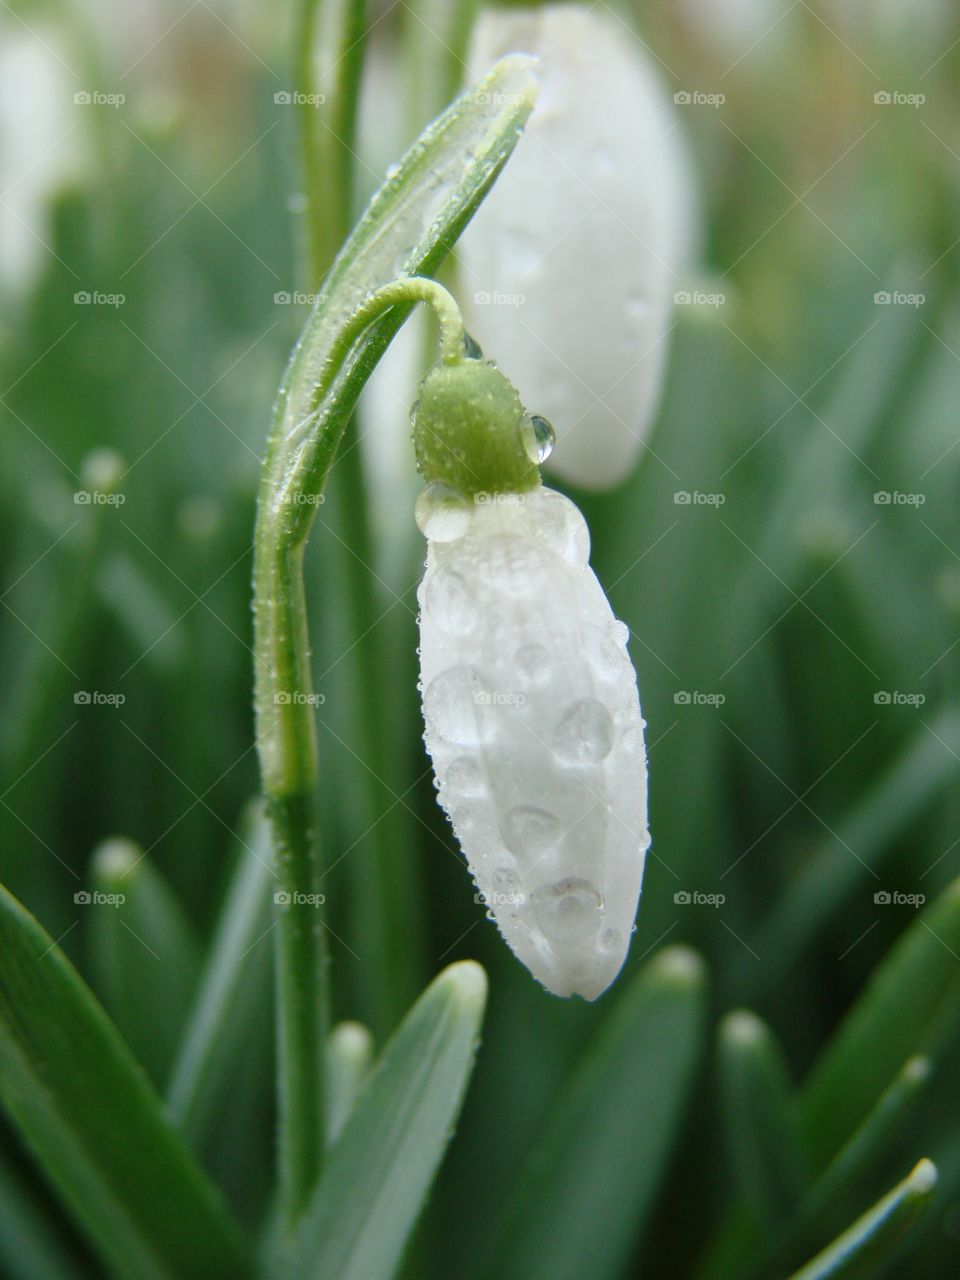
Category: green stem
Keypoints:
(287, 740)
(327, 128)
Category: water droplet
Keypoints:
(568, 911)
(452, 709)
(450, 602)
(505, 878)
(534, 663)
(465, 777)
(620, 633)
(472, 347)
(529, 831)
(604, 653)
(561, 524)
(442, 513)
(538, 437)
(584, 734)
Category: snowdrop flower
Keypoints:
(572, 263)
(530, 700)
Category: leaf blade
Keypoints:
(92, 1120)
(380, 1169)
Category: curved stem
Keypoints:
(287, 740)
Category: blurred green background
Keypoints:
(797, 636)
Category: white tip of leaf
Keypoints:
(533, 724)
(570, 267)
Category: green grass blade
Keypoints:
(233, 991)
(378, 1174)
(349, 1055)
(592, 1176)
(891, 1021)
(145, 955)
(29, 1243)
(930, 760)
(872, 1237)
(88, 1113)
(761, 1132)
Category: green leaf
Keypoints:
(891, 1021)
(591, 1177)
(872, 1237)
(378, 1174)
(233, 992)
(871, 829)
(145, 955)
(349, 1055)
(760, 1127)
(93, 1122)
(30, 1243)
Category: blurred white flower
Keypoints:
(533, 724)
(570, 267)
(41, 146)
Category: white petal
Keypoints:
(534, 727)
(571, 264)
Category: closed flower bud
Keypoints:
(530, 700)
(570, 267)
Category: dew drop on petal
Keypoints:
(527, 830)
(568, 911)
(538, 437)
(450, 602)
(465, 777)
(442, 513)
(452, 709)
(563, 527)
(620, 633)
(606, 657)
(585, 733)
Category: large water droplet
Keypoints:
(605, 655)
(529, 831)
(465, 778)
(568, 911)
(585, 733)
(450, 602)
(620, 633)
(538, 437)
(442, 513)
(452, 709)
(564, 528)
